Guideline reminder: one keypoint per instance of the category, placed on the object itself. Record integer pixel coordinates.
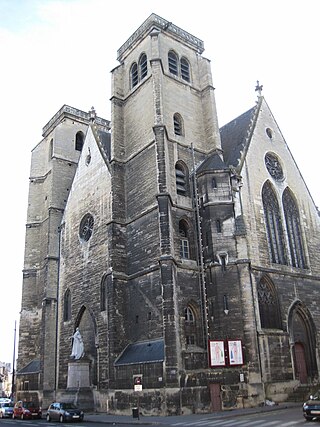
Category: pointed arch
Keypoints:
(292, 218)
(192, 329)
(274, 227)
(269, 307)
(303, 339)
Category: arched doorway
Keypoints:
(303, 343)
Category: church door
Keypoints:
(215, 397)
(300, 360)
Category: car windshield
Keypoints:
(7, 405)
(29, 405)
(68, 406)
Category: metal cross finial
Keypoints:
(259, 88)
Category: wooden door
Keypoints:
(301, 366)
(215, 397)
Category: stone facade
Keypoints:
(165, 239)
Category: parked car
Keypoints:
(311, 408)
(6, 409)
(64, 411)
(26, 410)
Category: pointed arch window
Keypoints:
(274, 227)
(173, 62)
(185, 69)
(79, 141)
(292, 219)
(181, 179)
(67, 305)
(184, 240)
(188, 315)
(143, 66)
(134, 74)
(178, 124)
(268, 305)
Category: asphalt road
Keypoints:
(291, 417)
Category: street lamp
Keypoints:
(13, 362)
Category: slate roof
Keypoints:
(32, 368)
(142, 352)
(214, 161)
(235, 135)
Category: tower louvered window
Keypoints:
(173, 63)
(134, 74)
(177, 124)
(274, 227)
(143, 65)
(185, 69)
(292, 218)
(181, 180)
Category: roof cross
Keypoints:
(258, 88)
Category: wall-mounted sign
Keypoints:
(216, 353)
(235, 354)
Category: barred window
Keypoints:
(184, 240)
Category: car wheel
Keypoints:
(309, 418)
(48, 418)
(61, 419)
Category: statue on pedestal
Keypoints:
(77, 345)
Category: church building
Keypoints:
(168, 261)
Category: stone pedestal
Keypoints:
(78, 374)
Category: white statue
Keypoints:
(77, 345)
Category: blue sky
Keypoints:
(61, 52)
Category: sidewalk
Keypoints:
(169, 420)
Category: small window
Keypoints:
(184, 241)
(51, 149)
(143, 66)
(214, 183)
(190, 340)
(177, 124)
(79, 141)
(67, 306)
(134, 75)
(86, 227)
(218, 226)
(185, 69)
(173, 63)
